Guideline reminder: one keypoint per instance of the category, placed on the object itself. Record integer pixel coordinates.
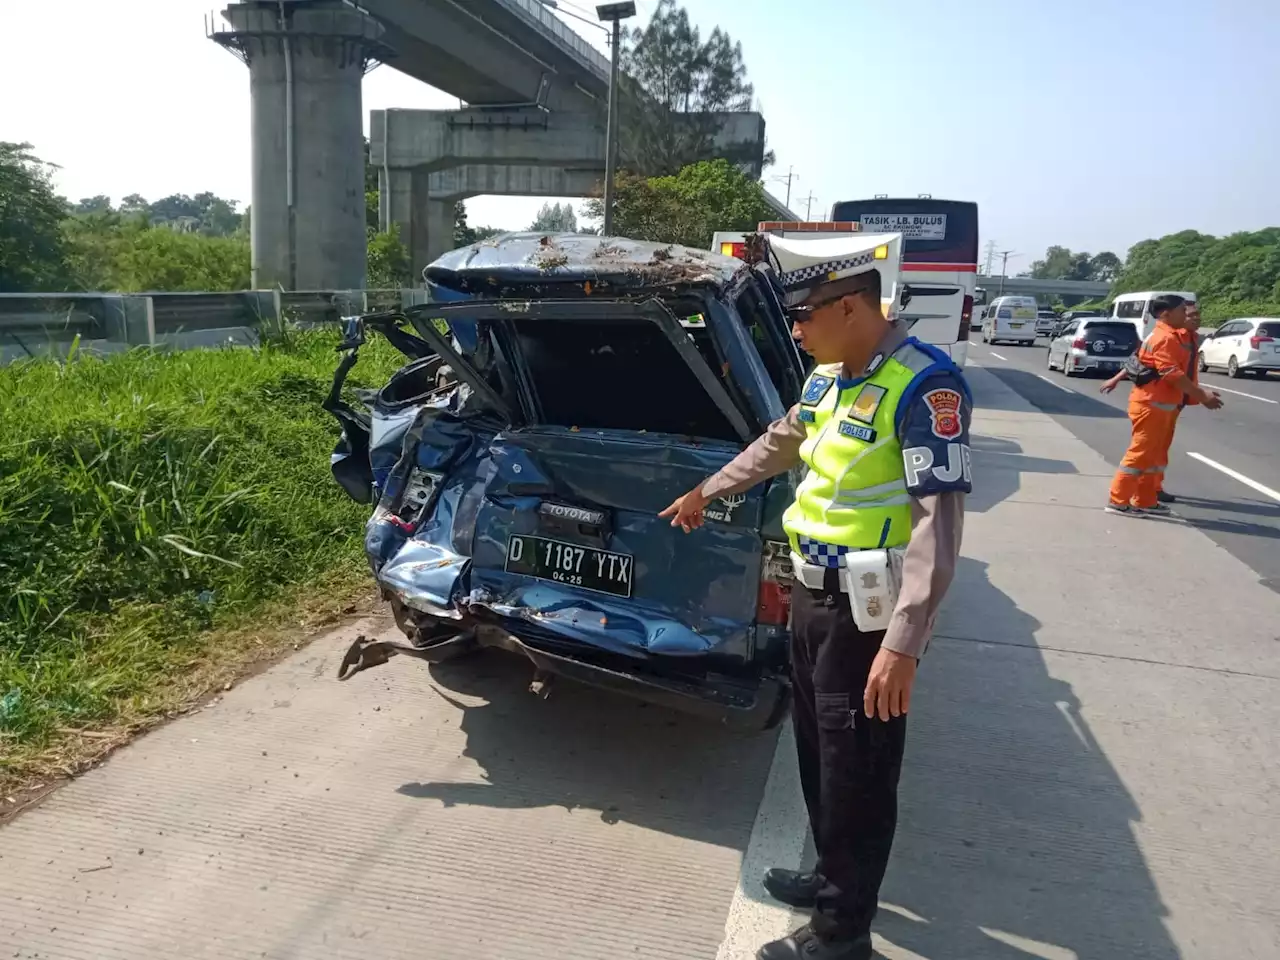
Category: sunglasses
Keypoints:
(804, 313)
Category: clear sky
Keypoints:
(1092, 124)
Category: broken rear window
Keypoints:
(617, 375)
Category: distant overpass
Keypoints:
(1092, 289)
(534, 91)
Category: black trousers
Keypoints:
(849, 763)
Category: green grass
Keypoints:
(148, 500)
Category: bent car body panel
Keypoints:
(497, 459)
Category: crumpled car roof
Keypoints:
(558, 258)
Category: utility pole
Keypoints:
(790, 175)
(991, 258)
(808, 205)
(1004, 267)
(615, 12)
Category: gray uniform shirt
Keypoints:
(937, 523)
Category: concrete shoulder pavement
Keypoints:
(1091, 768)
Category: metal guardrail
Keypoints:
(32, 323)
(540, 18)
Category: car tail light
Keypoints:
(773, 602)
(1254, 342)
(1080, 343)
(733, 249)
(966, 318)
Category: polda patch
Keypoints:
(944, 412)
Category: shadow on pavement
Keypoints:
(1016, 835)
(589, 749)
(1251, 507)
(998, 466)
(1050, 399)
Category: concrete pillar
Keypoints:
(439, 232)
(424, 219)
(306, 61)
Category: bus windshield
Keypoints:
(939, 262)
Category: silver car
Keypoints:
(1046, 320)
(1099, 345)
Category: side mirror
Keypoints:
(904, 298)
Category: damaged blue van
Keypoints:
(561, 390)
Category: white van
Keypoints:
(1136, 308)
(1011, 319)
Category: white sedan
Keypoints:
(1251, 344)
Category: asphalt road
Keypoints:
(1225, 465)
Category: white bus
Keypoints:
(942, 298)
(939, 262)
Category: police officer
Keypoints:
(883, 428)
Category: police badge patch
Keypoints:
(805, 416)
(944, 409)
(867, 403)
(816, 388)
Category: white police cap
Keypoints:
(805, 264)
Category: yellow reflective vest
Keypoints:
(854, 496)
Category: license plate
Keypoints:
(1016, 326)
(568, 563)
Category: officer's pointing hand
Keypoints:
(686, 512)
(888, 692)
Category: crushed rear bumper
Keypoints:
(758, 704)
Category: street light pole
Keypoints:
(615, 12)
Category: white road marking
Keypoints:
(777, 840)
(998, 357)
(1241, 393)
(1236, 475)
(1054, 383)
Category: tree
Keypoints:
(555, 218)
(124, 252)
(1235, 275)
(686, 208)
(388, 264)
(674, 83)
(99, 204)
(31, 243)
(464, 235)
(1106, 266)
(212, 215)
(1060, 263)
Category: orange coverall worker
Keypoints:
(1153, 410)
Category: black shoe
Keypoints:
(804, 944)
(1165, 497)
(792, 887)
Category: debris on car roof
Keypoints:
(525, 258)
